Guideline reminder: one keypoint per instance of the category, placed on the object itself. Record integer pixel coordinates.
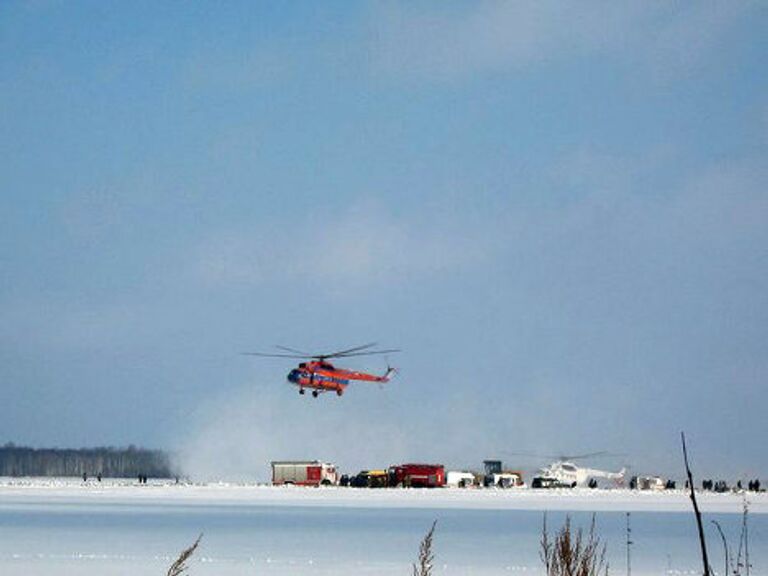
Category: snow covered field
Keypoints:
(67, 527)
(75, 490)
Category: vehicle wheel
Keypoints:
(339, 392)
(314, 393)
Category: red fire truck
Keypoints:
(304, 473)
(417, 475)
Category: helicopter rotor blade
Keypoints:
(534, 455)
(265, 355)
(345, 352)
(582, 456)
(294, 351)
(371, 353)
(563, 457)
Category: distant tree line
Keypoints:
(108, 462)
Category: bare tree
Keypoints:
(107, 461)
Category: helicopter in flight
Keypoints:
(319, 375)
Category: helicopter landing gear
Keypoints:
(301, 390)
(314, 393)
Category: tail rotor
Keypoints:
(391, 371)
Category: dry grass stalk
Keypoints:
(424, 565)
(728, 569)
(180, 566)
(572, 553)
(742, 560)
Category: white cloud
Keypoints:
(445, 42)
(359, 248)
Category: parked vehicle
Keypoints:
(508, 480)
(417, 475)
(495, 475)
(301, 473)
(546, 482)
(460, 479)
(370, 479)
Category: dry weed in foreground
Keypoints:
(424, 566)
(572, 553)
(180, 566)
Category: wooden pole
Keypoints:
(696, 511)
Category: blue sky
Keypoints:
(558, 212)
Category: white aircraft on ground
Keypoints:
(567, 473)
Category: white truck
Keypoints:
(459, 479)
(304, 473)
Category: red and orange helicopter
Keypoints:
(320, 376)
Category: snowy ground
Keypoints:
(617, 500)
(69, 527)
